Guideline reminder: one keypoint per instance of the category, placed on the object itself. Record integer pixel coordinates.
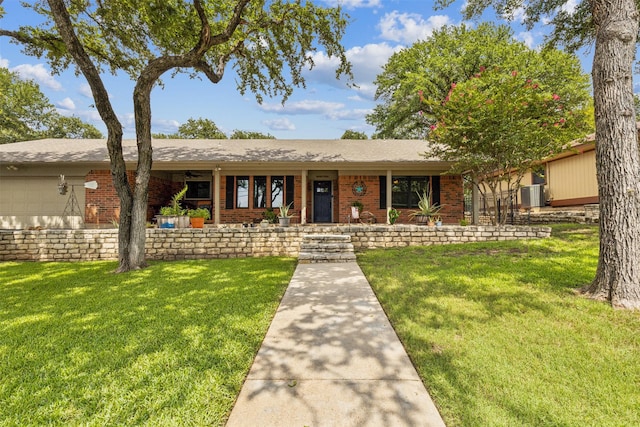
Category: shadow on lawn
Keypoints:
(436, 297)
(84, 345)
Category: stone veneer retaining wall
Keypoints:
(230, 242)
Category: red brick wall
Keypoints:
(103, 205)
(451, 197)
(370, 200)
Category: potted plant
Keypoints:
(174, 215)
(394, 214)
(284, 217)
(269, 215)
(198, 216)
(426, 209)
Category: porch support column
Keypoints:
(389, 193)
(303, 198)
(216, 196)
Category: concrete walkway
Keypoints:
(331, 358)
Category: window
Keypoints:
(240, 195)
(198, 190)
(404, 190)
(242, 192)
(277, 191)
(259, 192)
(537, 177)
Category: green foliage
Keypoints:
(353, 134)
(394, 214)
(270, 47)
(453, 55)
(496, 125)
(500, 336)
(425, 206)
(26, 114)
(176, 207)
(169, 345)
(199, 213)
(270, 215)
(284, 211)
(199, 129)
(358, 204)
(242, 134)
(73, 128)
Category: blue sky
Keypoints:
(324, 110)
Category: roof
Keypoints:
(223, 151)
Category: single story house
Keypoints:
(238, 180)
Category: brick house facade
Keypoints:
(237, 180)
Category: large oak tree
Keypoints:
(613, 26)
(268, 43)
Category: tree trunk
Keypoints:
(114, 129)
(617, 159)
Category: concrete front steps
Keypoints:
(326, 248)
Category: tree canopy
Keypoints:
(454, 54)
(353, 134)
(268, 43)
(451, 54)
(26, 114)
(498, 124)
(243, 134)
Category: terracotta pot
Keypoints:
(197, 222)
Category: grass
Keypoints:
(168, 345)
(500, 336)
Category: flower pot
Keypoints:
(197, 222)
(284, 222)
(422, 219)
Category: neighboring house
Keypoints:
(237, 179)
(565, 180)
(569, 178)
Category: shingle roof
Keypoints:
(236, 150)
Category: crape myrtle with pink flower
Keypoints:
(498, 124)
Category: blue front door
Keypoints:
(322, 201)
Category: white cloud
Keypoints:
(367, 62)
(352, 4)
(517, 15)
(164, 126)
(37, 73)
(570, 6)
(66, 104)
(4, 63)
(408, 28)
(355, 114)
(303, 107)
(329, 110)
(527, 38)
(85, 90)
(279, 124)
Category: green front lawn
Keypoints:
(168, 345)
(500, 336)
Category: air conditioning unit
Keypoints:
(532, 196)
